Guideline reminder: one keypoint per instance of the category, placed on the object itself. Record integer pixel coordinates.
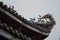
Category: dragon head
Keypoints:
(47, 21)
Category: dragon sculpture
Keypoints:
(16, 27)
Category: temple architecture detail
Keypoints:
(16, 27)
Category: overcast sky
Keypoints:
(32, 8)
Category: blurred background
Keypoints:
(33, 8)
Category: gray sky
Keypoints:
(32, 8)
